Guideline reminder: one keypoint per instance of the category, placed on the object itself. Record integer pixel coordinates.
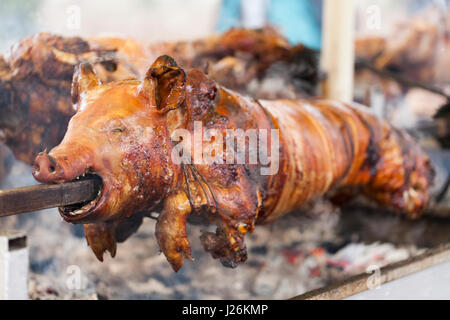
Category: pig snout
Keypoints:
(47, 170)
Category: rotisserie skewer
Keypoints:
(38, 197)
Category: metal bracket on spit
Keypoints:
(13, 265)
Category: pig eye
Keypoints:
(118, 130)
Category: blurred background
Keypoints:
(140, 19)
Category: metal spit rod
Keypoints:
(38, 197)
(391, 272)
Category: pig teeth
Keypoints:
(81, 176)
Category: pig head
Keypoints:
(121, 134)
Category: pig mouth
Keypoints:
(76, 212)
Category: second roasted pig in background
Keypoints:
(35, 78)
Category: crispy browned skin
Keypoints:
(125, 133)
(35, 79)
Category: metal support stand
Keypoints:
(13, 265)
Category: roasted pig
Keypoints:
(179, 143)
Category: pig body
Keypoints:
(126, 133)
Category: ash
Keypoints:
(302, 251)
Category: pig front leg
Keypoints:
(234, 217)
(226, 244)
(171, 229)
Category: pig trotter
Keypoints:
(100, 237)
(224, 247)
(171, 230)
(103, 236)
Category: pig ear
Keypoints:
(84, 78)
(170, 83)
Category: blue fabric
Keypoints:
(298, 20)
(230, 15)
